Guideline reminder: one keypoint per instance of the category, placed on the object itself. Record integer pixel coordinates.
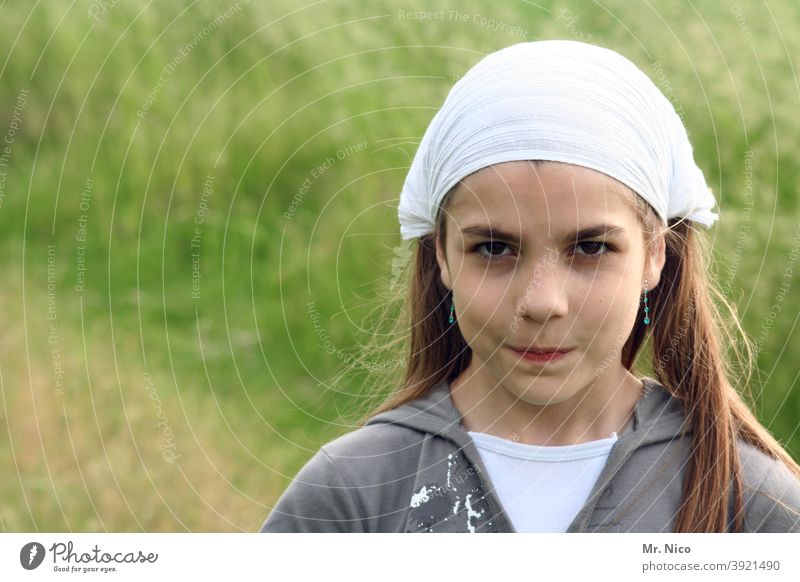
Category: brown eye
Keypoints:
(492, 247)
(594, 246)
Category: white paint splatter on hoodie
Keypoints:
(471, 514)
(422, 496)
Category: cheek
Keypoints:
(610, 291)
(482, 287)
(609, 320)
(485, 309)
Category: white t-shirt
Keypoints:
(542, 488)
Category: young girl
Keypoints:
(556, 201)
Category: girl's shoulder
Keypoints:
(374, 438)
(371, 454)
(360, 481)
(771, 492)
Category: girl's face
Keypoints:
(532, 281)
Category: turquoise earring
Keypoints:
(451, 319)
(646, 308)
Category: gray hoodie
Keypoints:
(416, 469)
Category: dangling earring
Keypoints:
(646, 308)
(451, 319)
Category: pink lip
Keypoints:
(543, 358)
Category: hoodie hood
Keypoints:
(657, 416)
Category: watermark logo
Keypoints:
(318, 172)
(100, 8)
(570, 21)
(31, 555)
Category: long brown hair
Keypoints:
(687, 334)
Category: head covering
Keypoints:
(564, 101)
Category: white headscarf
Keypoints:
(564, 101)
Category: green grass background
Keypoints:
(268, 92)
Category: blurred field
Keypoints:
(198, 196)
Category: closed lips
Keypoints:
(543, 350)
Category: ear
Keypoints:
(654, 262)
(444, 269)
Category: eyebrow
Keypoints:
(605, 230)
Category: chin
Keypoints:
(540, 391)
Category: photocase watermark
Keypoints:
(53, 341)
(81, 235)
(330, 348)
(317, 172)
(534, 283)
(197, 235)
(570, 21)
(464, 17)
(183, 53)
(31, 555)
(613, 355)
(783, 289)
(736, 10)
(669, 92)
(65, 555)
(686, 322)
(100, 8)
(744, 229)
(167, 447)
(14, 125)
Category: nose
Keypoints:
(544, 294)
